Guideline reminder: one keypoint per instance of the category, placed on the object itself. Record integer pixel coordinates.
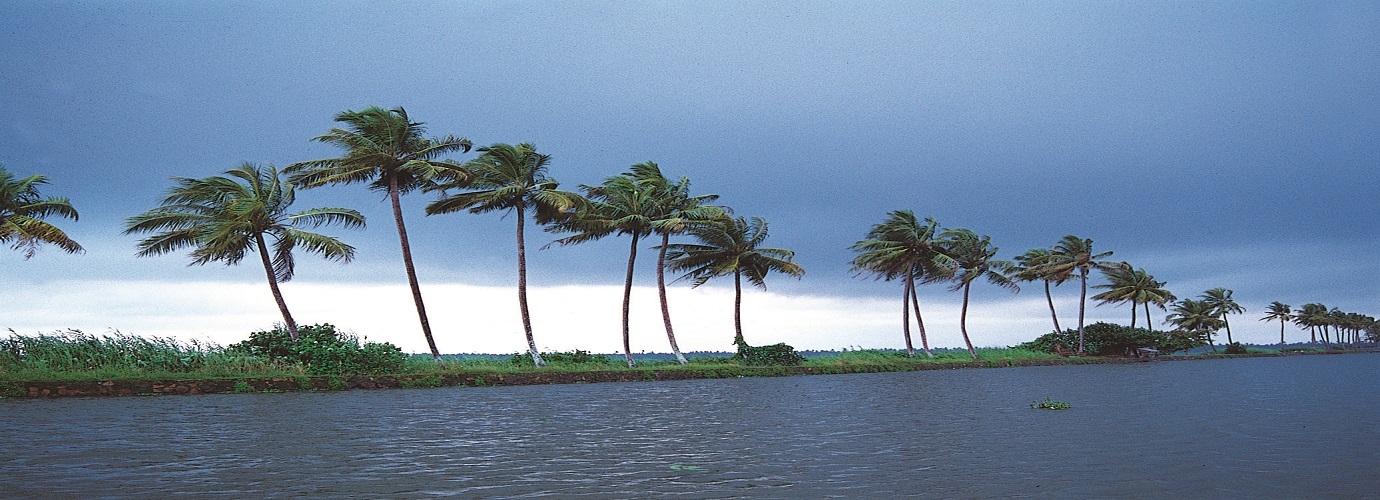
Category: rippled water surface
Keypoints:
(1276, 427)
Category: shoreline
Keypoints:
(487, 378)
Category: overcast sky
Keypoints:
(1231, 144)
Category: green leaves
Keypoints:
(22, 211)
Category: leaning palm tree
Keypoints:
(1196, 316)
(621, 205)
(972, 258)
(385, 149)
(1075, 255)
(677, 210)
(22, 210)
(1034, 265)
(224, 218)
(511, 179)
(1220, 300)
(732, 246)
(901, 247)
(1136, 286)
(1311, 316)
(1279, 311)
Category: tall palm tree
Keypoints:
(1279, 311)
(384, 148)
(1221, 301)
(511, 179)
(223, 218)
(901, 247)
(22, 210)
(1075, 255)
(621, 205)
(1311, 316)
(1034, 265)
(1136, 286)
(1196, 316)
(732, 246)
(677, 210)
(972, 258)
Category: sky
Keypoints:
(1215, 144)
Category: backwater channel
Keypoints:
(1298, 426)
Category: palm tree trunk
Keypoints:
(661, 289)
(273, 285)
(915, 300)
(411, 270)
(1082, 307)
(1133, 314)
(963, 321)
(1050, 298)
(738, 310)
(1149, 325)
(1228, 325)
(627, 302)
(522, 288)
(1281, 335)
(905, 313)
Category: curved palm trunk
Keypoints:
(411, 270)
(1149, 325)
(627, 302)
(963, 322)
(1211, 343)
(915, 300)
(1082, 308)
(905, 313)
(738, 310)
(661, 289)
(1228, 325)
(1049, 297)
(522, 289)
(273, 285)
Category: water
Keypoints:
(1301, 426)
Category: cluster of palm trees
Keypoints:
(1349, 328)
(223, 218)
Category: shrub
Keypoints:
(323, 351)
(768, 355)
(575, 357)
(1102, 339)
(1236, 348)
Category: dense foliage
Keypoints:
(323, 350)
(76, 351)
(768, 355)
(1102, 339)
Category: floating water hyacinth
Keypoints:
(1049, 404)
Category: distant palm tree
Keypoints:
(1221, 301)
(732, 246)
(901, 247)
(677, 211)
(1125, 284)
(22, 210)
(1034, 265)
(511, 179)
(1279, 311)
(225, 218)
(1075, 255)
(1312, 316)
(1196, 316)
(972, 258)
(387, 150)
(621, 205)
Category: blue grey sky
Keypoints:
(1230, 144)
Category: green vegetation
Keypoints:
(1049, 404)
(22, 211)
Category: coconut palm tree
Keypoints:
(384, 148)
(1075, 255)
(1279, 311)
(972, 258)
(22, 210)
(511, 179)
(1196, 316)
(224, 218)
(901, 247)
(1221, 301)
(1136, 286)
(621, 205)
(732, 246)
(677, 210)
(1034, 265)
(1311, 316)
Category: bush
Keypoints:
(323, 350)
(1236, 348)
(575, 357)
(768, 355)
(1102, 339)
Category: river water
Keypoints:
(1300, 426)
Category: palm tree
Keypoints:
(1221, 301)
(1034, 265)
(621, 205)
(1279, 311)
(1135, 286)
(677, 212)
(1196, 316)
(972, 258)
(22, 211)
(387, 150)
(1311, 316)
(731, 246)
(225, 218)
(902, 247)
(511, 179)
(1073, 254)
